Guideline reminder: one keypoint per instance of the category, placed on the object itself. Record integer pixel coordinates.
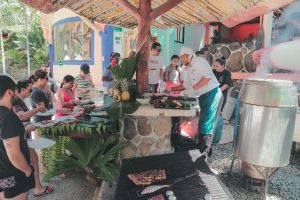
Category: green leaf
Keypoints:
(73, 127)
(117, 109)
(54, 130)
(104, 128)
(68, 127)
(61, 129)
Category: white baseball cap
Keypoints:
(186, 50)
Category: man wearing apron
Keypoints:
(200, 82)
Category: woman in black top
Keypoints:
(24, 89)
(38, 96)
(223, 76)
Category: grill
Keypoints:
(177, 165)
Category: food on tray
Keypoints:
(86, 102)
(147, 177)
(166, 102)
(153, 188)
(157, 197)
(45, 123)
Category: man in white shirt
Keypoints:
(199, 81)
(155, 67)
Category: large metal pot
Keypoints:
(267, 112)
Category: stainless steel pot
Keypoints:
(267, 112)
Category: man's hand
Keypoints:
(75, 101)
(66, 111)
(30, 128)
(89, 77)
(256, 57)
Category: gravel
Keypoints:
(284, 185)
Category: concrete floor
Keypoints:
(73, 187)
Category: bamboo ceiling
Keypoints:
(187, 12)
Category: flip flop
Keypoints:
(47, 190)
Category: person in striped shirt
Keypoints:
(83, 83)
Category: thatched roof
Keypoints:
(230, 12)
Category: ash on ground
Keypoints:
(284, 185)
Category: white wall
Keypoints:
(96, 69)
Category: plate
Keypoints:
(99, 113)
(68, 118)
(144, 101)
(47, 113)
(86, 102)
(40, 143)
(45, 123)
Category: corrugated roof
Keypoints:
(185, 13)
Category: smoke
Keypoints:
(288, 24)
(282, 55)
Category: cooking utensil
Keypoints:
(153, 188)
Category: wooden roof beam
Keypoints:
(164, 8)
(129, 8)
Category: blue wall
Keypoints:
(107, 37)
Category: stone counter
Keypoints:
(148, 130)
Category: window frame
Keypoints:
(72, 62)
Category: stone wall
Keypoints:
(238, 55)
(146, 135)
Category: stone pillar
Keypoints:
(146, 135)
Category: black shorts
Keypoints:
(17, 184)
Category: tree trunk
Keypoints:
(2, 52)
(143, 46)
(27, 43)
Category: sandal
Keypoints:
(47, 190)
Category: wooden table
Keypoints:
(177, 165)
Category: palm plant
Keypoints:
(123, 75)
(96, 155)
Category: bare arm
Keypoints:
(105, 78)
(165, 76)
(92, 83)
(60, 98)
(23, 116)
(177, 88)
(161, 74)
(75, 86)
(201, 83)
(224, 87)
(16, 157)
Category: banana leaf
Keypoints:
(118, 109)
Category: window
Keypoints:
(179, 35)
(72, 41)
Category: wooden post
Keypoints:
(267, 28)
(145, 15)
